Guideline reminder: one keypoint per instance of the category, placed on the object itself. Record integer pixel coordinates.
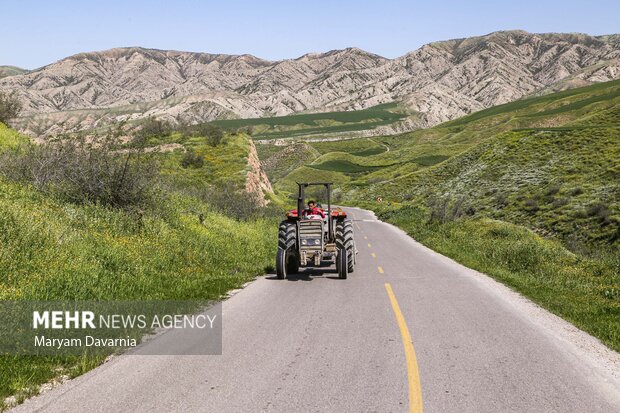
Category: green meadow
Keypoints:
(308, 124)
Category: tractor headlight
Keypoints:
(310, 241)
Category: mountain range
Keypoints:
(439, 81)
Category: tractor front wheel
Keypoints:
(342, 264)
(286, 263)
(281, 269)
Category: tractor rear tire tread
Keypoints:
(287, 235)
(345, 240)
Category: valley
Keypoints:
(481, 174)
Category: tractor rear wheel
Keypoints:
(344, 239)
(350, 242)
(281, 264)
(287, 261)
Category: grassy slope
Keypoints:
(279, 164)
(562, 180)
(591, 106)
(52, 250)
(307, 124)
(549, 162)
(225, 163)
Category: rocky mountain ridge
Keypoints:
(437, 82)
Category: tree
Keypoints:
(10, 106)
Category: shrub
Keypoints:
(212, 133)
(10, 106)
(444, 210)
(154, 127)
(559, 202)
(600, 211)
(552, 190)
(80, 170)
(192, 160)
(531, 205)
(501, 199)
(248, 130)
(235, 203)
(576, 191)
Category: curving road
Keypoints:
(318, 344)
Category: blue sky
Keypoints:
(35, 33)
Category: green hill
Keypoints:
(560, 182)
(547, 162)
(11, 71)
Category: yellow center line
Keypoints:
(413, 375)
(381, 270)
(365, 237)
(373, 255)
(369, 245)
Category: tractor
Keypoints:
(306, 240)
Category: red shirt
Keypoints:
(314, 211)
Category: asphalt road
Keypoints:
(315, 343)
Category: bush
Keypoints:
(559, 202)
(248, 130)
(501, 200)
(192, 160)
(601, 211)
(212, 133)
(531, 205)
(85, 171)
(444, 210)
(10, 106)
(237, 204)
(552, 190)
(576, 191)
(154, 127)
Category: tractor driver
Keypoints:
(313, 210)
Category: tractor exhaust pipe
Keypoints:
(330, 224)
(300, 201)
